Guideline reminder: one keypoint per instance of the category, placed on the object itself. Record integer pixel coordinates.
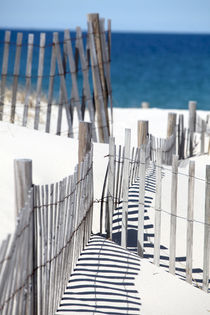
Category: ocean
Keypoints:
(166, 70)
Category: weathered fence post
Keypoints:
(39, 80)
(23, 181)
(110, 192)
(85, 71)
(24, 193)
(171, 124)
(158, 208)
(143, 130)
(28, 78)
(85, 135)
(16, 74)
(142, 173)
(144, 105)
(98, 76)
(4, 71)
(64, 94)
(206, 254)
(203, 130)
(171, 131)
(94, 19)
(209, 147)
(172, 250)
(190, 210)
(51, 85)
(125, 188)
(181, 137)
(75, 92)
(98, 93)
(192, 123)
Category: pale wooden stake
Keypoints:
(4, 71)
(192, 115)
(103, 124)
(28, 77)
(85, 135)
(206, 253)
(39, 80)
(94, 20)
(181, 137)
(23, 182)
(190, 217)
(192, 123)
(203, 130)
(143, 130)
(158, 208)
(144, 104)
(86, 85)
(51, 84)
(209, 147)
(125, 188)
(106, 62)
(172, 249)
(109, 40)
(75, 92)
(110, 192)
(64, 95)
(171, 124)
(142, 174)
(16, 74)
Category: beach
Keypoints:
(58, 153)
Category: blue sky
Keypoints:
(131, 15)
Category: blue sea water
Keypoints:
(166, 70)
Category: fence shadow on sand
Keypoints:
(103, 281)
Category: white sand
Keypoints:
(164, 294)
(55, 157)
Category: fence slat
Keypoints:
(106, 62)
(86, 84)
(192, 124)
(51, 85)
(172, 250)
(39, 80)
(63, 85)
(16, 74)
(75, 92)
(95, 24)
(206, 253)
(23, 181)
(171, 124)
(110, 192)
(125, 188)
(142, 173)
(203, 131)
(190, 217)
(4, 71)
(28, 77)
(143, 129)
(103, 126)
(158, 208)
(181, 137)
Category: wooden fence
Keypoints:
(183, 141)
(72, 62)
(128, 167)
(52, 228)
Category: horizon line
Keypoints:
(175, 32)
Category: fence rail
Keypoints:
(52, 229)
(67, 76)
